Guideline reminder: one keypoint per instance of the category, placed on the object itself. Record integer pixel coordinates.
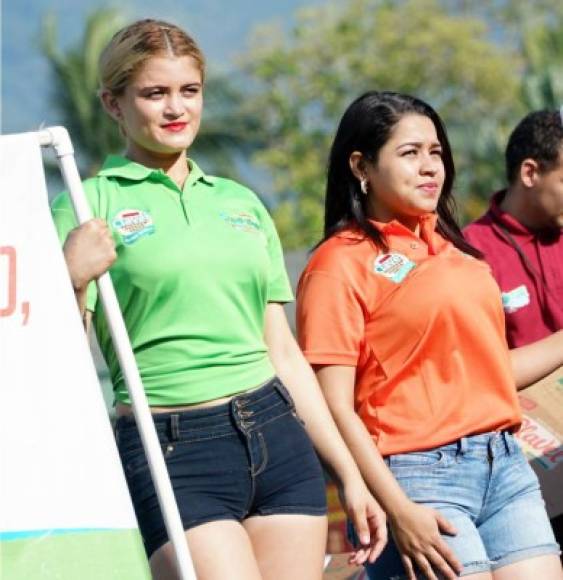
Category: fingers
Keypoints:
(424, 566)
(378, 545)
(448, 559)
(378, 526)
(431, 562)
(444, 525)
(360, 522)
(409, 568)
(359, 556)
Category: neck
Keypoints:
(517, 203)
(383, 216)
(175, 165)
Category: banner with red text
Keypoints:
(65, 511)
(541, 436)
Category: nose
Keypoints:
(430, 164)
(174, 105)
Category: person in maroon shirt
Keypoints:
(521, 235)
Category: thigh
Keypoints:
(288, 546)
(219, 550)
(547, 567)
(453, 482)
(515, 525)
(466, 544)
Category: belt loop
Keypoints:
(507, 442)
(462, 446)
(175, 427)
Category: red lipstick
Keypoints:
(175, 127)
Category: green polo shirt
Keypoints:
(195, 270)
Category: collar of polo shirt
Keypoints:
(118, 166)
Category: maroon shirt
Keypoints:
(532, 288)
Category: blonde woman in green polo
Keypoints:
(199, 273)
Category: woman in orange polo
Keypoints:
(404, 326)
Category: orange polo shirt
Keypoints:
(424, 326)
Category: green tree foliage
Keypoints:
(75, 88)
(336, 52)
(542, 84)
(229, 130)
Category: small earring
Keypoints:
(364, 185)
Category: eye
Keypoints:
(154, 94)
(409, 153)
(437, 152)
(191, 90)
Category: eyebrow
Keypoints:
(418, 144)
(157, 86)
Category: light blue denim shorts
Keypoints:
(484, 486)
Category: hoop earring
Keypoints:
(364, 185)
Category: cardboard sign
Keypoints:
(541, 436)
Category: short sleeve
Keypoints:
(279, 287)
(65, 221)
(330, 319)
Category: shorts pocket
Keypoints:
(418, 460)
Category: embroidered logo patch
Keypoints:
(515, 299)
(241, 221)
(393, 266)
(133, 224)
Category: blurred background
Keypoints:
(281, 73)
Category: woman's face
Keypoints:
(406, 182)
(160, 110)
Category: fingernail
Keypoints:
(364, 538)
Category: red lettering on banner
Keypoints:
(11, 283)
(25, 312)
(529, 433)
(10, 252)
(527, 404)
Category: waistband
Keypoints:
(489, 444)
(260, 396)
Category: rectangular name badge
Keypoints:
(515, 299)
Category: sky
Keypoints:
(221, 27)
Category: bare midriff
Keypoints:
(124, 410)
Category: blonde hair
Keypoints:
(133, 45)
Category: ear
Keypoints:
(111, 105)
(529, 172)
(356, 162)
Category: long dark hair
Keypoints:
(366, 127)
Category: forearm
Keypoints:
(534, 361)
(373, 468)
(298, 377)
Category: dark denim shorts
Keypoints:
(250, 456)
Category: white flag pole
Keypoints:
(58, 138)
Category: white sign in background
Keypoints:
(58, 462)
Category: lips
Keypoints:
(430, 187)
(174, 127)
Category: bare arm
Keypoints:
(534, 361)
(298, 377)
(416, 528)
